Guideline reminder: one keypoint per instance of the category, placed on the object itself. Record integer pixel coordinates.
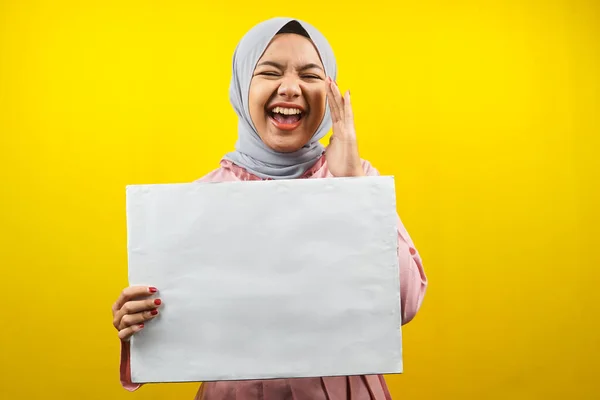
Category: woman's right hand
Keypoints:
(133, 308)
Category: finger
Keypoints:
(338, 99)
(136, 319)
(348, 114)
(134, 307)
(125, 334)
(336, 114)
(133, 292)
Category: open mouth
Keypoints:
(286, 118)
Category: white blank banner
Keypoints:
(266, 279)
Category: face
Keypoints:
(288, 93)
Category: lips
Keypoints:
(285, 123)
(286, 116)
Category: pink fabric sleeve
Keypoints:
(125, 369)
(413, 282)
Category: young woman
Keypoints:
(284, 92)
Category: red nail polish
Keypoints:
(141, 326)
(157, 302)
(154, 312)
(152, 289)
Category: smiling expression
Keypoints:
(287, 96)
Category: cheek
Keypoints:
(318, 104)
(256, 104)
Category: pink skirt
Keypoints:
(371, 387)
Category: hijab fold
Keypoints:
(251, 152)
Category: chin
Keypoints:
(285, 148)
(288, 142)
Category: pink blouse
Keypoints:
(413, 284)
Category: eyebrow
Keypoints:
(281, 66)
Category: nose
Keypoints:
(289, 87)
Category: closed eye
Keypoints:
(276, 74)
(268, 73)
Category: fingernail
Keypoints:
(152, 289)
(141, 326)
(157, 302)
(154, 312)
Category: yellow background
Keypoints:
(486, 112)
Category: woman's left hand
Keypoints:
(342, 152)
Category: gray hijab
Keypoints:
(250, 151)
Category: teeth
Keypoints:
(287, 111)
